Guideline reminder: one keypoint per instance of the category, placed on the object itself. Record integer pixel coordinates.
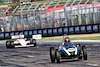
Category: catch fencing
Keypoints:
(71, 13)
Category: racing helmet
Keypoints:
(67, 39)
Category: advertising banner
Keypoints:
(47, 32)
(50, 32)
(60, 31)
(55, 32)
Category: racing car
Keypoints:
(21, 41)
(68, 50)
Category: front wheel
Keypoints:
(52, 54)
(57, 56)
(33, 42)
(84, 52)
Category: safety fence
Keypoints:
(52, 14)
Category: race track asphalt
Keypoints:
(39, 56)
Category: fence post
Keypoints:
(86, 11)
(65, 12)
(98, 13)
(13, 23)
(4, 15)
(46, 12)
(28, 13)
(34, 14)
(22, 24)
(71, 12)
(40, 12)
(93, 11)
(60, 19)
(79, 20)
(54, 12)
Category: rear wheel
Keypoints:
(52, 54)
(84, 52)
(33, 42)
(10, 44)
(57, 56)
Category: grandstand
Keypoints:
(4, 4)
(7, 5)
(31, 4)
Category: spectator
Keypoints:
(44, 25)
(13, 28)
(7, 26)
(18, 27)
(27, 27)
(2, 29)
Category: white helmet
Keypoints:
(67, 39)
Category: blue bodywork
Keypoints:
(71, 45)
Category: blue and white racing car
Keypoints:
(68, 50)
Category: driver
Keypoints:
(20, 36)
(67, 41)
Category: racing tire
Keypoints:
(57, 56)
(33, 42)
(52, 54)
(84, 52)
(7, 44)
(10, 44)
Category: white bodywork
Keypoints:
(17, 36)
(22, 42)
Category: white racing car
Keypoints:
(22, 42)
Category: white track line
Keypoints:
(90, 64)
(85, 41)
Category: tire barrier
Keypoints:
(47, 32)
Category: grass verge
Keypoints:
(74, 38)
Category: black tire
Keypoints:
(33, 42)
(12, 44)
(84, 52)
(57, 56)
(52, 54)
(8, 44)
